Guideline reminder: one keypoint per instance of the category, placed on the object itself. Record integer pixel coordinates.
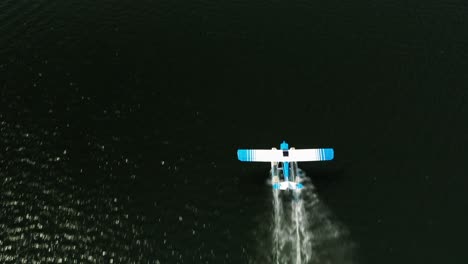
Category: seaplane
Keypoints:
(284, 162)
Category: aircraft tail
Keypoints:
(284, 185)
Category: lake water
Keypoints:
(120, 122)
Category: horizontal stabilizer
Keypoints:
(287, 185)
(277, 155)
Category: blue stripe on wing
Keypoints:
(328, 154)
(246, 154)
(242, 154)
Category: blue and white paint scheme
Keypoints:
(284, 161)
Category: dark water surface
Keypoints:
(120, 122)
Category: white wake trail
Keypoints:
(298, 238)
(303, 230)
(277, 207)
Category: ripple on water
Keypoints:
(44, 219)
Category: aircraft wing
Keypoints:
(278, 155)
